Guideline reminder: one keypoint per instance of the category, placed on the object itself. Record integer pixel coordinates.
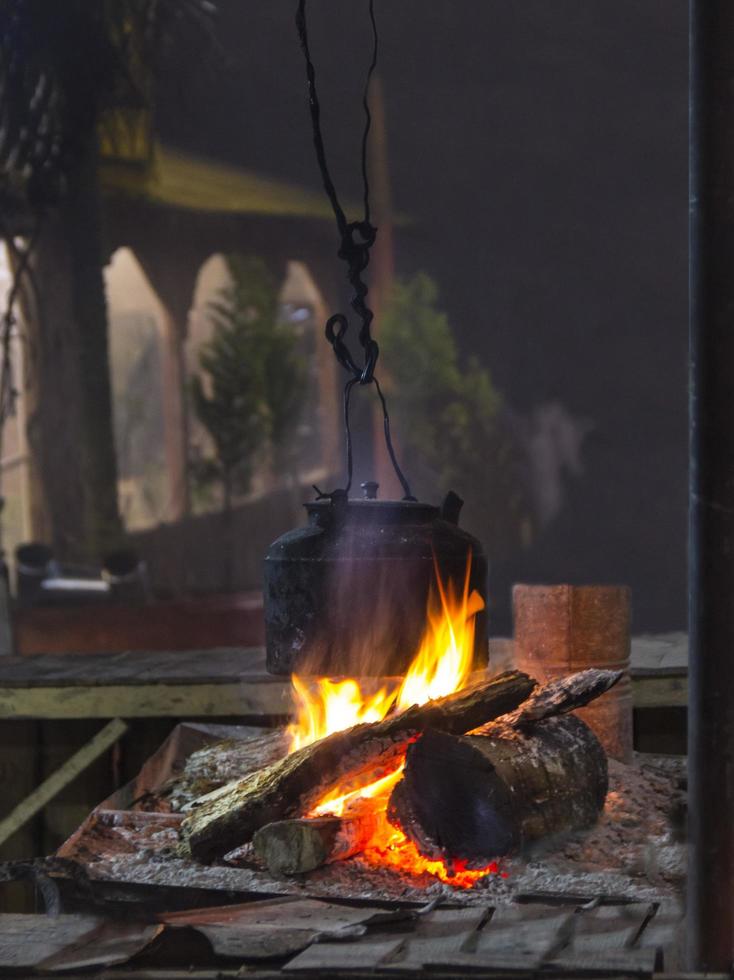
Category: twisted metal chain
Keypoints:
(356, 240)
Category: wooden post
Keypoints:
(560, 629)
(710, 929)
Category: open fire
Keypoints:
(441, 666)
(440, 772)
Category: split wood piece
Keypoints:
(228, 817)
(477, 797)
(565, 694)
(297, 846)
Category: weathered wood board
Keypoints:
(227, 682)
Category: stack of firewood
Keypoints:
(528, 768)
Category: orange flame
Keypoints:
(441, 666)
(332, 707)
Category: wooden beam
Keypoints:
(61, 778)
(243, 699)
(659, 692)
(246, 698)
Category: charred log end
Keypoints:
(452, 804)
(475, 798)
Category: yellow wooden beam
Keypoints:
(250, 698)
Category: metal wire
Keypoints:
(357, 238)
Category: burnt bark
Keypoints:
(475, 798)
(227, 818)
(565, 694)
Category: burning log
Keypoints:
(228, 817)
(477, 797)
(563, 695)
(296, 846)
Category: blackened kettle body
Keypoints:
(348, 593)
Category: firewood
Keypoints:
(296, 846)
(564, 694)
(477, 797)
(301, 845)
(228, 817)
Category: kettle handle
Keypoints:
(451, 507)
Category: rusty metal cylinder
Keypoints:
(560, 629)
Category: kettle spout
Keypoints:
(451, 507)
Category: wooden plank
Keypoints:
(658, 692)
(57, 780)
(659, 652)
(366, 955)
(205, 684)
(286, 912)
(208, 666)
(251, 699)
(252, 944)
(438, 937)
(112, 943)
(516, 939)
(604, 940)
(275, 928)
(658, 668)
(665, 932)
(27, 940)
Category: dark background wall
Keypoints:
(539, 147)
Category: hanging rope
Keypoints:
(356, 240)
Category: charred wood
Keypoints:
(228, 817)
(564, 694)
(477, 797)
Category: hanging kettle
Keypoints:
(348, 594)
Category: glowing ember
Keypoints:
(441, 666)
(334, 804)
(390, 848)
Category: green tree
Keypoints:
(252, 382)
(449, 417)
(72, 75)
